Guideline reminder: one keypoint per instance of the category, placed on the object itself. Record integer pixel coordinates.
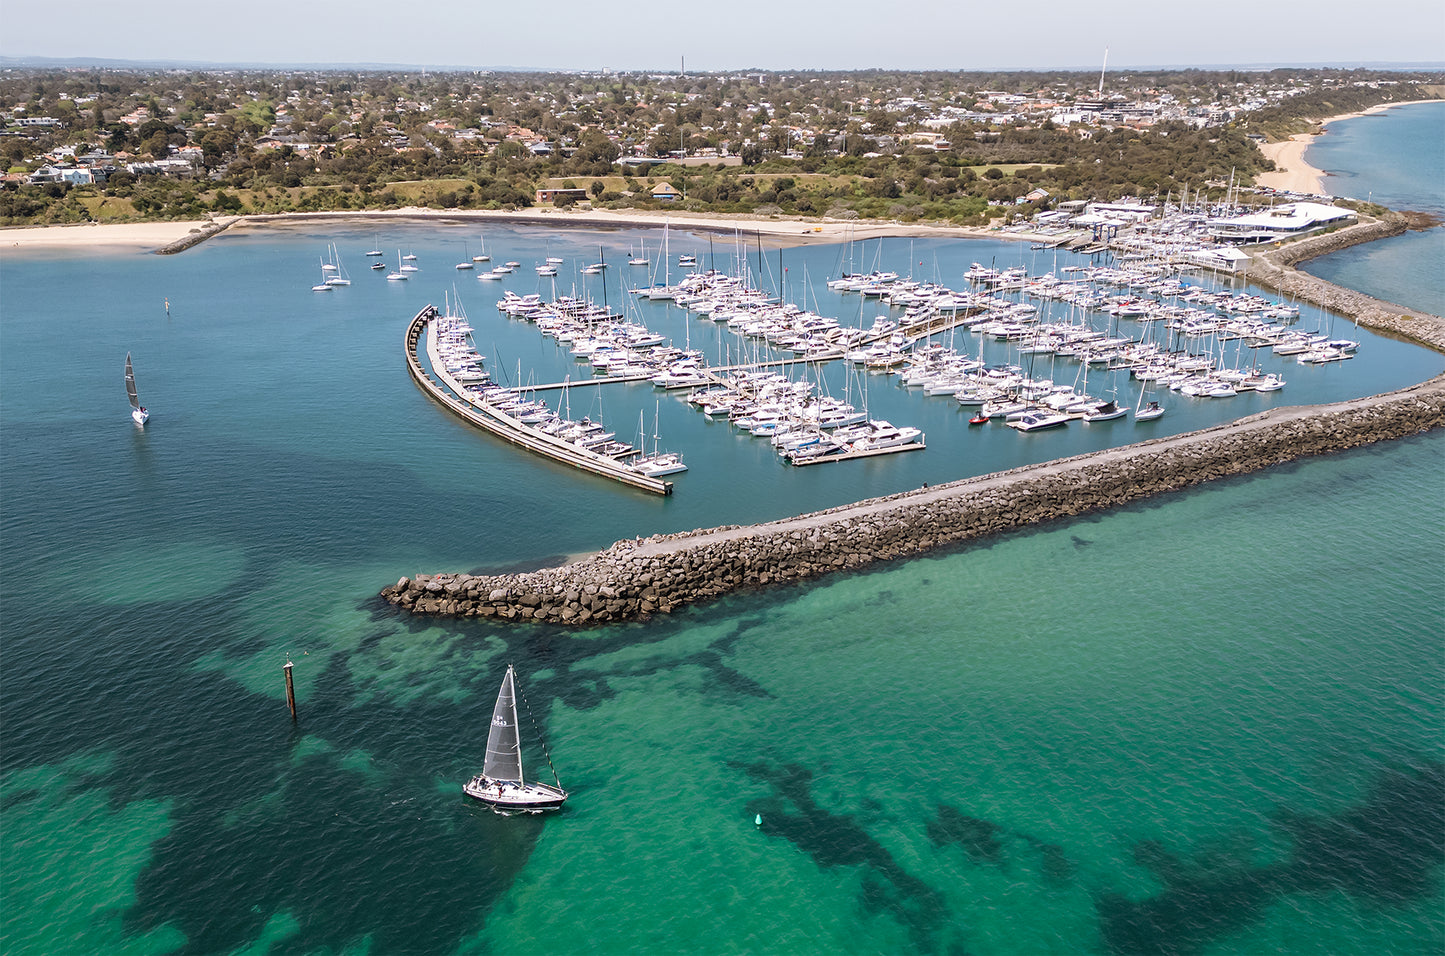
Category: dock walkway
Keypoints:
(449, 394)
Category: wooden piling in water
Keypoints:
(290, 689)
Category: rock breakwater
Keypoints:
(1275, 269)
(637, 578)
(197, 236)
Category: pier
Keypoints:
(490, 420)
(850, 455)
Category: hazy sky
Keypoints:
(734, 34)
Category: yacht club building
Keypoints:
(1280, 222)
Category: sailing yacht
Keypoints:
(1146, 413)
(138, 412)
(400, 274)
(339, 276)
(660, 462)
(501, 784)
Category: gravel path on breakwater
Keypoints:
(635, 579)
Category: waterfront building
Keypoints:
(1280, 222)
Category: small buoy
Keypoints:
(758, 820)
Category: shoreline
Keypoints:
(773, 231)
(1293, 173)
(94, 236)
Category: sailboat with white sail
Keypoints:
(660, 462)
(338, 274)
(138, 412)
(501, 784)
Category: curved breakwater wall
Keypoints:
(634, 579)
(1275, 269)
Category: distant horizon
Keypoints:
(14, 62)
(748, 35)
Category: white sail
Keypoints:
(504, 746)
(130, 383)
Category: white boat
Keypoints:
(885, 435)
(660, 462)
(1034, 421)
(501, 784)
(138, 413)
(655, 466)
(339, 276)
(1106, 412)
(1149, 412)
(409, 256)
(399, 275)
(482, 256)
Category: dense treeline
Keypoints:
(838, 144)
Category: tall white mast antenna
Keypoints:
(1102, 69)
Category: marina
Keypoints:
(1087, 342)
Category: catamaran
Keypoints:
(501, 785)
(137, 411)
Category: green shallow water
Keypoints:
(1207, 724)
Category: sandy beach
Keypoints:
(140, 236)
(773, 231)
(1293, 173)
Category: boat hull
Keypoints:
(508, 796)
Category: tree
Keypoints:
(751, 154)
(596, 188)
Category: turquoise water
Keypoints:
(1207, 724)
(1395, 158)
